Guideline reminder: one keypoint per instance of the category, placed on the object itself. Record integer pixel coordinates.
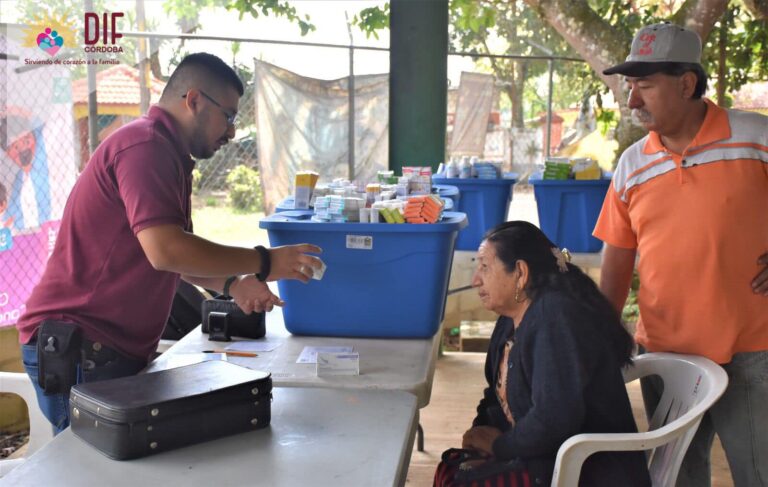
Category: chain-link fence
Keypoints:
(44, 135)
(38, 168)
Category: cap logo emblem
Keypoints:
(646, 48)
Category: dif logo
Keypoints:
(102, 28)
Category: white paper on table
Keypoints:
(309, 354)
(252, 346)
(182, 359)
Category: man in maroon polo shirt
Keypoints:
(126, 239)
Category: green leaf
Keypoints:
(276, 8)
(370, 20)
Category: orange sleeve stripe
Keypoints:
(634, 173)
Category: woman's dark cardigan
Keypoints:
(563, 379)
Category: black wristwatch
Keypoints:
(266, 263)
(227, 283)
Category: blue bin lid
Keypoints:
(508, 179)
(287, 204)
(302, 220)
(445, 190)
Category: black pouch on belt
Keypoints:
(59, 353)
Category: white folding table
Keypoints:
(316, 437)
(385, 363)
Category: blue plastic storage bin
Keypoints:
(568, 210)
(486, 204)
(382, 280)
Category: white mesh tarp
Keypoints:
(303, 125)
(473, 106)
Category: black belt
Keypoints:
(94, 353)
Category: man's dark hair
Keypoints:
(679, 69)
(201, 65)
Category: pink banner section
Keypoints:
(22, 262)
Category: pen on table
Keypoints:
(234, 353)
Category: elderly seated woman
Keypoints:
(553, 370)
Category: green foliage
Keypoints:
(471, 15)
(244, 189)
(746, 56)
(271, 7)
(187, 11)
(631, 311)
(235, 48)
(511, 27)
(196, 175)
(370, 20)
(746, 38)
(606, 120)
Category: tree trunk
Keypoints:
(521, 74)
(154, 66)
(602, 46)
(721, 59)
(700, 15)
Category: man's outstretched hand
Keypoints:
(293, 262)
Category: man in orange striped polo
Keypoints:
(691, 200)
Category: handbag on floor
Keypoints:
(460, 467)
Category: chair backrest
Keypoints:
(692, 384)
(40, 429)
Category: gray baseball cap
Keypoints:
(657, 45)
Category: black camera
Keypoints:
(223, 319)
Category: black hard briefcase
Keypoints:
(223, 319)
(139, 415)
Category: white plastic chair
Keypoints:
(692, 384)
(40, 429)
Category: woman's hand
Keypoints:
(251, 295)
(480, 438)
